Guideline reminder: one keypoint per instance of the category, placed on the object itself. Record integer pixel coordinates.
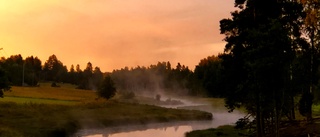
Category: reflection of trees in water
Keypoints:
(219, 118)
(176, 128)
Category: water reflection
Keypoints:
(173, 129)
(177, 131)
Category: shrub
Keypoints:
(107, 89)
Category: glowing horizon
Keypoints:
(113, 34)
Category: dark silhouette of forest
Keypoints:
(158, 78)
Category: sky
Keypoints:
(112, 34)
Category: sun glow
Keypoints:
(112, 34)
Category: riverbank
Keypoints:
(51, 111)
(297, 128)
(294, 129)
(56, 120)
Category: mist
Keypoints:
(164, 86)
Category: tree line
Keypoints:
(31, 70)
(154, 79)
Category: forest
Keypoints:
(154, 79)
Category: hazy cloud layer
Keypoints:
(112, 33)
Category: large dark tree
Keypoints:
(258, 57)
(312, 32)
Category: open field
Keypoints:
(47, 111)
(22, 100)
(66, 92)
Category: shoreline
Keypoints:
(65, 120)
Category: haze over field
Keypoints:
(112, 34)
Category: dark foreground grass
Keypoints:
(54, 120)
(222, 131)
(297, 128)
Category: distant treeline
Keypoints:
(162, 77)
(178, 79)
(29, 71)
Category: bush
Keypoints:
(158, 97)
(54, 84)
(107, 89)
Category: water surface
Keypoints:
(172, 129)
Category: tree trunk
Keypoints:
(293, 114)
(310, 98)
(259, 117)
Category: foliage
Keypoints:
(209, 73)
(14, 68)
(107, 89)
(155, 79)
(54, 70)
(262, 42)
(4, 83)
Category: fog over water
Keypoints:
(172, 129)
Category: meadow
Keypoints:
(61, 111)
(66, 92)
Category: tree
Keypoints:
(4, 82)
(54, 69)
(312, 31)
(86, 81)
(14, 68)
(97, 78)
(32, 69)
(257, 59)
(72, 75)
(209, 72)
(107, 89)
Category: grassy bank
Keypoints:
(297, 128)
(57, 112)
(222, 131)
(32, 119)
(65, 92)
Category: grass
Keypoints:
(296, 129)
(222, 131)
(33, 119)
(58, 112)
(45, 91)
(22, 100)
(316, 110)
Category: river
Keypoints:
(172, 129)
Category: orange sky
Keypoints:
(113, 34)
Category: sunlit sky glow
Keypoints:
(113, 34)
